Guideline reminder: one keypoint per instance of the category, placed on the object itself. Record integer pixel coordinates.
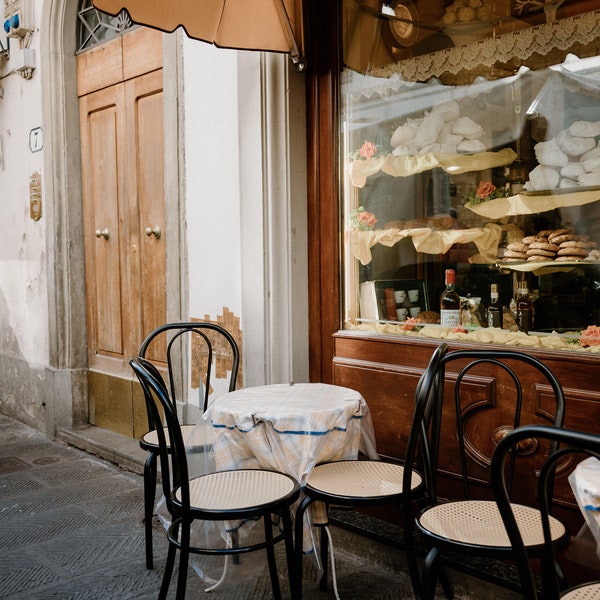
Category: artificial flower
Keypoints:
(590, 336)
(366, 151)
(411, 323)
(362, 220)
(486, 190)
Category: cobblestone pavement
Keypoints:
(71, 528)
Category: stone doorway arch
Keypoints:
(67, 404)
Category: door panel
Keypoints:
(144, 101)
(102, 121)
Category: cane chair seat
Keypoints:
(478, 523)
(352, 479)
(237, 490)
(587, 591)
(150, 439)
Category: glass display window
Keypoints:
(491, 172)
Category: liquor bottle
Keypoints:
(450, 302)
(494, 311)
(524, 309)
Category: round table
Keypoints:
(288, 428)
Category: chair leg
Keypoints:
(271, 557)
(411, 554)
(184, 556)
(149, 497)
(299, 536)
(164, 588)
(431, 571)
(288, 539)
(324, 542)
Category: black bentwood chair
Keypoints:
(571, 443)
(236, 495)
(361, 483)
(452, 439)
(197, 345)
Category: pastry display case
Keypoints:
(482, 156)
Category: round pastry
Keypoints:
(569, 258)
(517, 247)
(529, 239)
(545, 232)
(547, 247)
(572, 252)
(564, 237)
(510, 259)
(573, 244)
(539, 258)
(538, 252)
(560, 232)
(429, 316)
(415, 223)
(394, 225)
(515, 254)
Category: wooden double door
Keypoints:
(120, 89)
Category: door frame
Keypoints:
(63, 212)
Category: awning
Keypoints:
(270, 25)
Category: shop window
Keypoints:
(479, 154)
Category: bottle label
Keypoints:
(449, 318)
(524, 320)
(494, 318)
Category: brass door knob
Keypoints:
(153, 231)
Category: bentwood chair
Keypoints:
(571, 443)
(201, 348)
(360, 484)
(237, 495)
(476, 397)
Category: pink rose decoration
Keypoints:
(485, 189)
(367, 150)
(411, 323)
(590, 337)
(366, 219)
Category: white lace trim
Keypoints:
(519, 46)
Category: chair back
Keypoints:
(564, 444)
(172, 453)
(193, 354)
(466, 401)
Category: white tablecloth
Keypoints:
(585, 483)
(288, 428)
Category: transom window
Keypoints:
(95, 27)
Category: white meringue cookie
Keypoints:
(543, 178)
(574, 145)
(549, 154)
(585, 128)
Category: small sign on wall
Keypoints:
(36, 139)
(35, 196)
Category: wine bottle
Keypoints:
(494, 311)
(524, 309)
(450, 302)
